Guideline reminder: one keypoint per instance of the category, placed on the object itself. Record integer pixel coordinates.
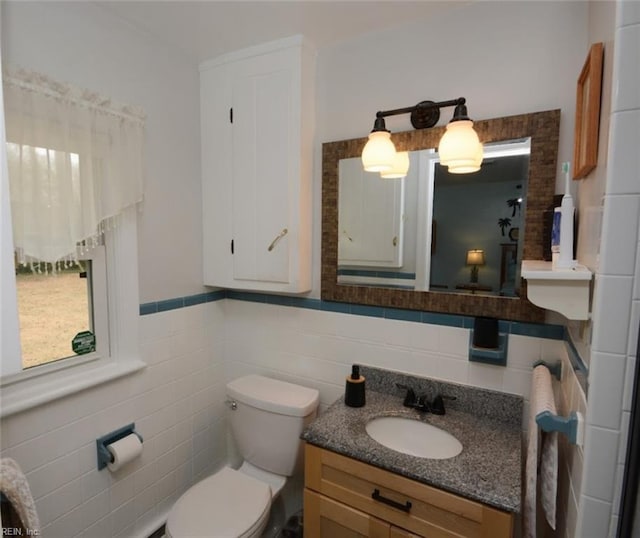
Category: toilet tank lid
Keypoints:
(274, 395)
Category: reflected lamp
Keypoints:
(475, 258)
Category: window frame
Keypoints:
(36, 386)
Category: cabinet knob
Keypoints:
(278, 237)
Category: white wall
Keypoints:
(175, 401)
(540, 42)
(79, 43)
(176, 404)
(505, 57)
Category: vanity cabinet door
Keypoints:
(325, 518)
(404, 503)
(256, 168)
(396, 532)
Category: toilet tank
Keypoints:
(268, 419)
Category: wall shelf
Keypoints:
(562, 290)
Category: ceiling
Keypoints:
(208, 28)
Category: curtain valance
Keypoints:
(76, 161)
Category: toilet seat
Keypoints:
(228, 504)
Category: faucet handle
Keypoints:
(437, 406)
(410, 398)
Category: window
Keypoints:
(74, 163)
(62, 306)
(62, 315)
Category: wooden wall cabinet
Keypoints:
(257, 129)
(339, 503)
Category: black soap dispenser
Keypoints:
(354, 391)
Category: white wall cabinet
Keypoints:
(257, 132)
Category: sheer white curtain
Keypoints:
(75, 163)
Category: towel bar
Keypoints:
(554, 369)
(571, 426)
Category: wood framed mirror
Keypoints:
(542, 130)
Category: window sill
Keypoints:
(24, 392)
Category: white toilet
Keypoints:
(267, 417)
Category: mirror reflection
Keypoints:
(435, 231)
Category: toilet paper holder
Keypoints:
(104, 456)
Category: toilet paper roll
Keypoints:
(123, 451)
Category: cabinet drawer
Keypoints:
(422, 509)
(326, 518)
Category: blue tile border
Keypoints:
(579, 367)
(181, 302)
(377, 274)
(538, 330)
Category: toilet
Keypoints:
(267, 417)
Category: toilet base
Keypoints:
(276, 519)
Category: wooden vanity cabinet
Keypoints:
(339, 503)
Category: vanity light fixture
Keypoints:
(399, 166)
(475, 258)
(460, 148)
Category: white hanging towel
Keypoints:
(14, 486)
(542, 399)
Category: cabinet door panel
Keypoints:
(325, 518)
(396, 532)
(262, 152)
(216, 141)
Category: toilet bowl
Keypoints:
(228, 504)
(237, 503)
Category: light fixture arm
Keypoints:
(423, 115)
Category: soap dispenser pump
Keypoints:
(354, 391)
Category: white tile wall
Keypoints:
(627, 69)
(317, 348)
(616, 308)
(177, 401)
(176, 405)
(569, 398)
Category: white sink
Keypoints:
(413, 437)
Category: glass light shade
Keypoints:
(399, 166)
(475, 257)
(379, 152)
(460, 148)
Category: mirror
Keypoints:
(443, 237)
(389, 228)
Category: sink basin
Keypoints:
(413, 437)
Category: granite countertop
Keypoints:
(487, 470)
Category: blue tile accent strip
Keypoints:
(181, 302)
(378, 274)
(170, 304)
(579, 367)
(403, 315)
(552, 332)
(148, 308)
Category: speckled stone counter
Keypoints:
(487, 423)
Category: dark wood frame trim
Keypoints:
(585, 144)
(543, 129)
